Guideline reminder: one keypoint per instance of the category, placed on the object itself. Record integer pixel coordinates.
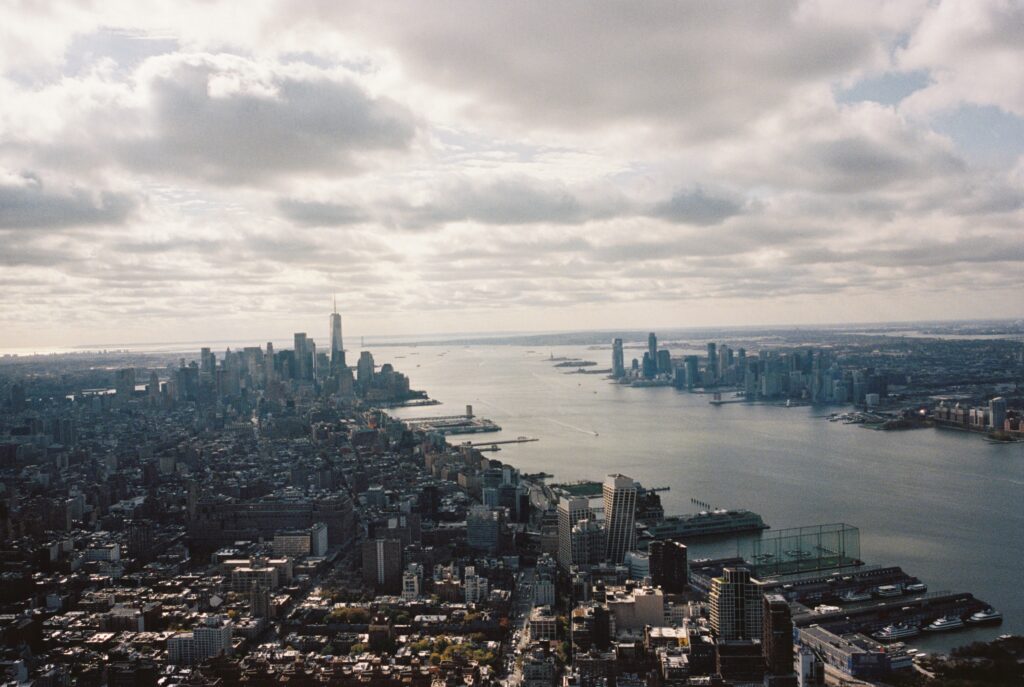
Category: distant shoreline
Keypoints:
(1009, 329)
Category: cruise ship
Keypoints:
(949, 622)
(892, 633)
(705, 524)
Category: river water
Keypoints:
(946, 506)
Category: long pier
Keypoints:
(518, 440)
(872, 615)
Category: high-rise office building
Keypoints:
(692, 364)
(777, 635)
(570, 512)
(650, 366)
(337, 348)
(206, 362)
(618, 360)
(997, 413)
(140, 540)
(301, 364)
(664, 361)
(364, 368)
(587, 542)
(268, 364)
(483, 528)
(619, 516)
(260, 601)
(310, 357)
(652, 348)
(124, 385)
(669, 567)
(382, 564)
(724, 360)
(712, 368)
(735, 606)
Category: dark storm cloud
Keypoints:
(25, 203)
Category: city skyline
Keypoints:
(193, 168)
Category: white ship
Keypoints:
(891, 633)
(950, 622)
(989, 615)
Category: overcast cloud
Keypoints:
(189, 170)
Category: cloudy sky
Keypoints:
(187, 171)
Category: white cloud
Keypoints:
(217, 118)
(973, 50)
(499, 163)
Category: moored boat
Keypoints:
(949, 622)
(892, 633)
(988, 615)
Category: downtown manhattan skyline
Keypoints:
(190, 172)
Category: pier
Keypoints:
(493, 445)
(453, 424)
(872, 615)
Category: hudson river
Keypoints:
(946, 506)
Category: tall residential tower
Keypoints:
(618, 360)
(736, 606)
(619, 516)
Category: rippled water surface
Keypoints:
(946, 506)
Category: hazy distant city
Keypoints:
(512, 344)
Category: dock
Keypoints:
(453, 424)
(717, 399)
(493, 445)
(872, 615)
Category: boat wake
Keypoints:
(581, 430)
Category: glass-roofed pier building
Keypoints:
(803, 549)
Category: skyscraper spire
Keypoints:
(337, 347)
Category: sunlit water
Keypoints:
(946, 506)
